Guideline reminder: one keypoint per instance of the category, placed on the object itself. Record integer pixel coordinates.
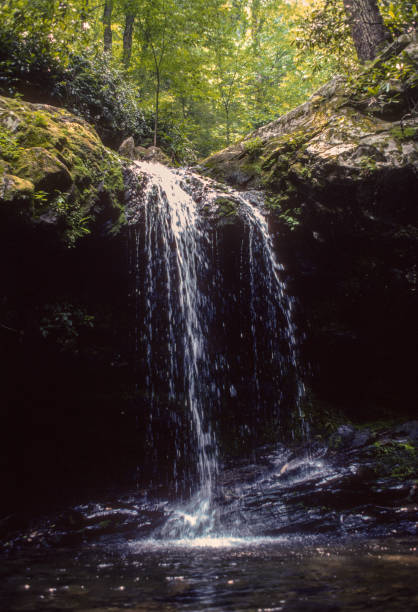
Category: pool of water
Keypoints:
(259, 574)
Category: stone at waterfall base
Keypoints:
(154, 154)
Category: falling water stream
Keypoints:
(173, 259)
(179, 303)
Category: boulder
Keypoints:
(152, 154)
(44, 170)
(54, 170)
(127, 148)
(409, 429)
(14, 187)
(140, 153)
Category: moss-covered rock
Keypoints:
(54, 169)
(340, 176)
(13, 187)
(345, 132)
(44, 170)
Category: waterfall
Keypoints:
(275, 294)
(216, 342)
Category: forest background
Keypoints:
(191, 76)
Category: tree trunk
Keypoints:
(84, 11)
(157, 103)
(107, 22)
(255, 26)
(127, 38)
(367, 28)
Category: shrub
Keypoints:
(33, 64)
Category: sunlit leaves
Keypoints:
(399, 16)
(222, 67)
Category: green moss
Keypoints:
(286, 155)
(254, 146)
(14, 187)
(9, 148)
(226, 207)
(43, 169)
(367, 164)
(40, 120)
(302, 170)
(32, 136)
(252, 168)
(396, 458)
(404, 133)
(59, 161)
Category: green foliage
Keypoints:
(399, 16)
(9, 149)
(211, 70)
(38, 58)
(396, 458)
(253, 147)
(404, 132)
(383, 84)
(324, 32)
(63, 323)
(220, 68)
(100, 92)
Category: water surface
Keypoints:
(264, 574)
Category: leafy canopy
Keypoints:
(198, 73)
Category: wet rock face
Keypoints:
(362, 482)
(340, 175)
(341, 488)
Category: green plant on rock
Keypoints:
(9, 149)
(368, 165)
(253, 147)
(71, 215)
(397, 458)
(383, 85)
(402, 133)
(226, 207)
(40, 196)
(77, 225)
(291, 217)
(279, 203)
(62, 324)
(274, 202)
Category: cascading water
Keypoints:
(215, 342)
(275, 294)
(176, 310)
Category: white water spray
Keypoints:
(178, 305)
